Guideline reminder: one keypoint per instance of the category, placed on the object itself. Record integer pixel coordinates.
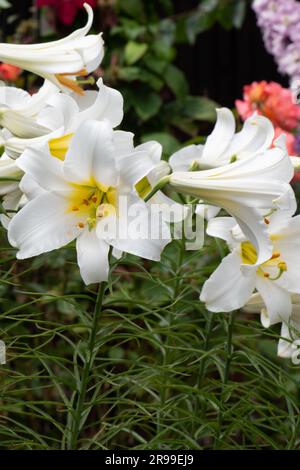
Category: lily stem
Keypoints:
(229, 353)
(162, 182)
(80, 404)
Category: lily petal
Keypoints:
(44, 224)
(277, 300)
(227, 288)
(92, 257)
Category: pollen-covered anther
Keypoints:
(266, 275)
(266, 221)
(94, 199)
(86, 202)
(80, 225)
(275, 255)
(282, 266)
(103, 210)
(75, 208)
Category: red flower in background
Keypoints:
(9, 73)
(270, 100)
(66, 9)
(277, 104)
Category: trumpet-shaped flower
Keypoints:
(59, 61)
(82, 197)
(31, 121)
(20, 111)
(240, 273)
(224, 146)
(257, 180)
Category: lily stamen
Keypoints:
(71, 83)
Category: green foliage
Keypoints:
(141, 63)
(161, 372)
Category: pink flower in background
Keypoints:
(270, 100)
(9, 73)
(66, 9)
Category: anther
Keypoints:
(275, 255)
(282, 266)
(266, 275)
(75, 208)
(94, 199)
(85, 202)
(266, 221)
(81, 225)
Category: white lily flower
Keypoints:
(224, 146)
(59, 61)
(222, 149)
(290, 331)
(242, 188)
(57, 116)
(19, 111)
(80, 198)
(144, 174)
(240, 273)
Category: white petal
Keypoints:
(64, 108)
(221, 227)
(136, 165)
(183, 159)
(172, 211)
(42, 225)
(152, 148)
(227, 288)
(255, 304)
(10, 203)
(218, 141)
(92, 257)
(136, 232)
(30, 187)
(277, 301)
(207, 211)
(45, 169)
(256, 136)
(123, 142)
(91, 155)
(68, 55)
(285, 348)
(107, 103)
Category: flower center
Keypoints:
(275, 263)
(91, 203)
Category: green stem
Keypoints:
(165, 389)
(209, 327)
(225, 375)
(76, 428)
(162, 182)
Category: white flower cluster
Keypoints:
(65, 171)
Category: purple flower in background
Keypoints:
(279, 21)
(297, 143)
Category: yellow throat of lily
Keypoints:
(249, 256)
(90, 201)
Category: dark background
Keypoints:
(219, 64)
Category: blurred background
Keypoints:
(170, 51)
